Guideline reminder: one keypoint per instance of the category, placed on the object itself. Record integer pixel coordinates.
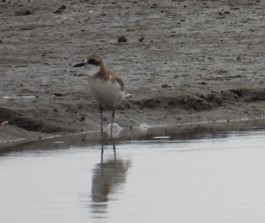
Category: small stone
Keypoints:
(4, 123)
(57, 94)
(60, 9)
(165, 86)
(141, 39)
(82, 119)
(23, 12)
(122, 39)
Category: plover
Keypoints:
(106, 87)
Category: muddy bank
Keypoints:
(197, 130)
(182, 61)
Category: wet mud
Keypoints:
(182, 61)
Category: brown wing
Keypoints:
(120, 81)
(107, 73)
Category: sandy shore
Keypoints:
(184, 61)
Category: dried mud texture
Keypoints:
(182, 61)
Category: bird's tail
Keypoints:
(127, 95)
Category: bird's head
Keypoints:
(94, 60)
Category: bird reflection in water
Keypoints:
(108, 178)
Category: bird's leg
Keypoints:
(111, 135)
(101, 130)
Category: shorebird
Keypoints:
(106, 87)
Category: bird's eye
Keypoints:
(93, 62)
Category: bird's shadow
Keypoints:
(107, 179)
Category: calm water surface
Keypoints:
(219, 179)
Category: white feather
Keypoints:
(107, 92)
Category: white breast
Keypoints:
(106, 92)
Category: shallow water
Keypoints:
(218, 179)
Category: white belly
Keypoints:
(106, 92)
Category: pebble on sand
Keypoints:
(122, 39)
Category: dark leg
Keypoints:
(101, 129)
(111, 128)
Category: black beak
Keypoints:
(79, 64)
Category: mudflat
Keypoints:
(181, 60)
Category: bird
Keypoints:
(107, 88)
